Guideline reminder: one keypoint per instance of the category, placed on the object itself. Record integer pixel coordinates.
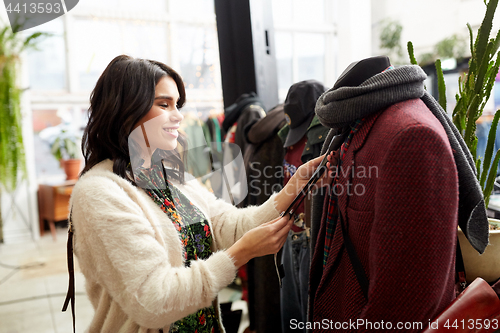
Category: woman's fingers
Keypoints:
(283, 232)
(305, 171)
(280, 235)
(280, 223)
(333, 158)
(316, 161)
(272, 221)
(331, 165)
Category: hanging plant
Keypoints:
(12, 159)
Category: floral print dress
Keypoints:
(194, 233)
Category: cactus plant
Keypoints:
(474, 91)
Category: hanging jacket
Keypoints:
(263, 159)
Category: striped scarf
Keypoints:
(332, 216)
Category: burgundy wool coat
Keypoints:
(402, 220)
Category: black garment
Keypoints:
(299, 108)
(231, 153)
(233, 112)
(251, 113)
(265, 150)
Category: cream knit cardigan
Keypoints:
(132, 259)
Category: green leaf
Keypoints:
(471, 61)
(441, 85)
(56, 149)
(459, 116)
(491, 179)
(496, 42)
(473, 147)
(472, 112)
(489, 147)
(484, 31)
(490, 80)
(409, 47)
(484, 65)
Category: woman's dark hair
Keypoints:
(124, 94)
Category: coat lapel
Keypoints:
(344, 184)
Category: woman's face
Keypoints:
(159, 126)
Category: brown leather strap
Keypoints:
(71, 270)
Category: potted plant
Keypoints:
(12, 161)
(474, 91)
(65, 148)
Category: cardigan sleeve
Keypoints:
(229, 223)
(412, 241)
(116, 247)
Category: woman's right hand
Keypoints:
(268, 238)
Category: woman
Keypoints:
(154, 248)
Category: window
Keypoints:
(284, 60)
(310, 51)
(303, 30)
(99, 41)
(191, 8)
(47, 62)
(197, 48)
(64, 71)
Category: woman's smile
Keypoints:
(171, 131)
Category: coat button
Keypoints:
(307, 148)
(319, 137)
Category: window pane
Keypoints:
(282, 11)
(191, 7)
(198, 54)
(310, 50)
(126, 5)
(309, 12)
(284, 62)
(99, 41)
(47, 65)
(145, 40)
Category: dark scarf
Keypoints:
(337, 108)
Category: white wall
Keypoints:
(354, 43)
(426, 22)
